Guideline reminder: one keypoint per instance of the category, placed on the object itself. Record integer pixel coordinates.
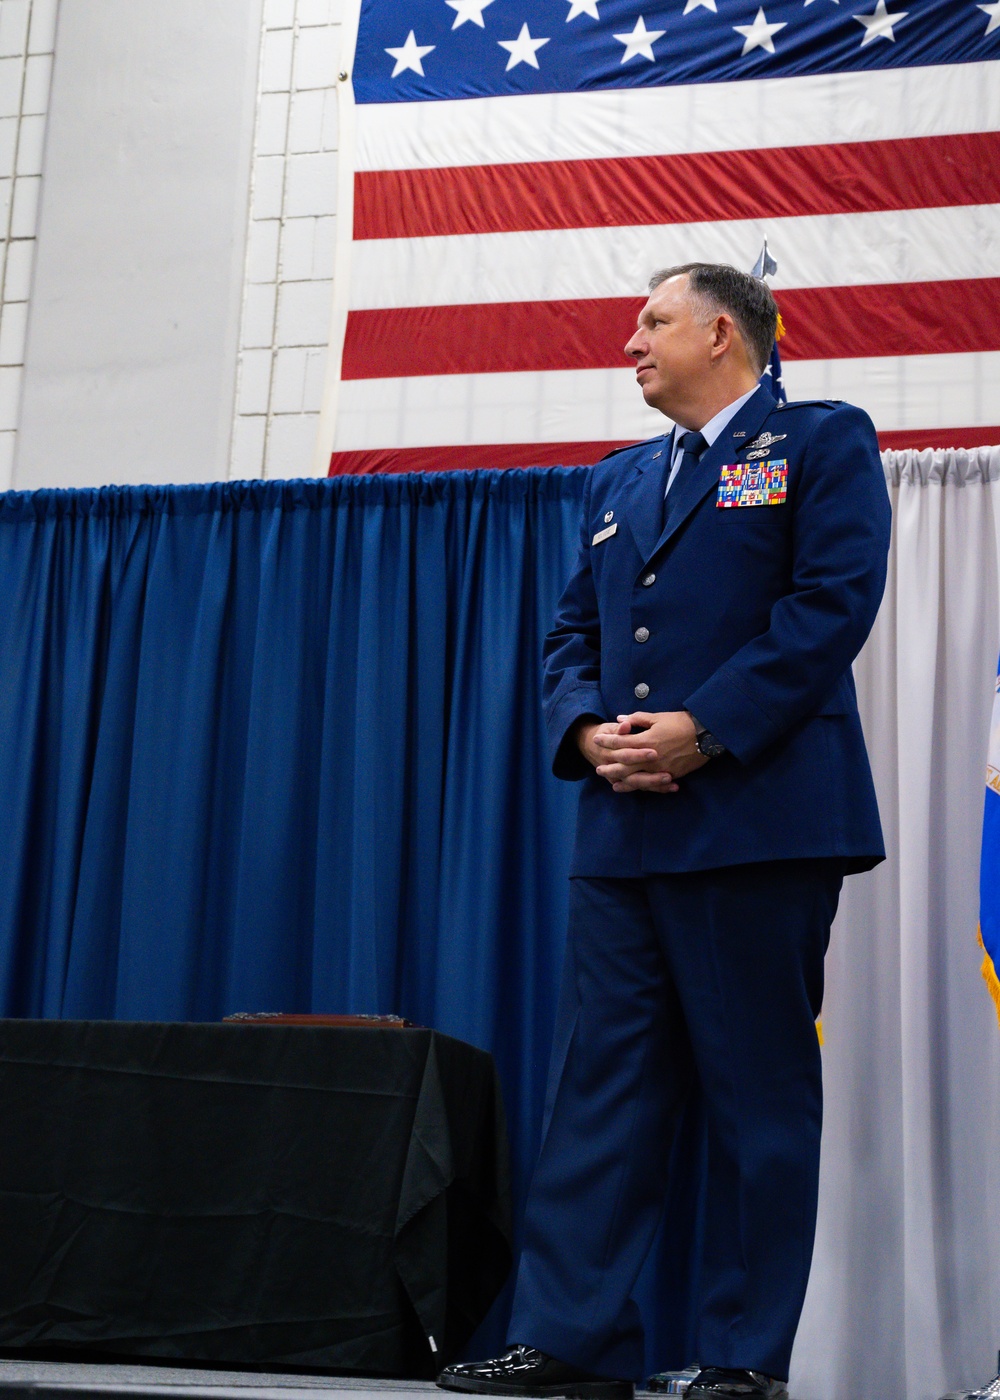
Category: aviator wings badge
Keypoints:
(762, 445)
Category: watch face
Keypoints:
(709, 746)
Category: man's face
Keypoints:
(671, 347)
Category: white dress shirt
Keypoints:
(709, 432)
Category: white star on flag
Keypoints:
(708, 4)
(582, 7)
(468, 9)
(409, 56)
(994, 13)
(640, 41)
(878, 25)
(522, 49)
(758, 34)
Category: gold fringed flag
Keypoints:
(989, 867)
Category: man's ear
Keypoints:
(724, 336)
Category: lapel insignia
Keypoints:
(657, 454)
(609, 516)
(761, 445)
(753, 484)
(741, 433)
(604, 534)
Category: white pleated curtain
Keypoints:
(904, 1296)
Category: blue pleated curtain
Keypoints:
(278, 746)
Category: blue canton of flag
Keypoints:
(426, 49)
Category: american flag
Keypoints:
(515, 170)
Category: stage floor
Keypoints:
(36, 1380)
(80, 1378)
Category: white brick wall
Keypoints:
(27, 42)
(290, 244)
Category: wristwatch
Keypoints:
(707, 744)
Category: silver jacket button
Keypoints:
(642, 634)
(641, 690)
(648, 580)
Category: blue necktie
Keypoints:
(692, 445)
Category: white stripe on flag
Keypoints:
(605, 405)
(829, 250)
(885, 104)
(906, 391)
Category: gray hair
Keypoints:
(747, 299)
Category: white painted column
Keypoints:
(289, 287)
(133, 327)
(27, 42)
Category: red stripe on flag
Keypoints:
(365, 461)
(918, 438)
(488, 338)
(894, 318)
(369, 461)
(823, 323)
(844, 178)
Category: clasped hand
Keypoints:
(642, 752)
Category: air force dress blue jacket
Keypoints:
(745, 601)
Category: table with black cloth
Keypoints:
(263, 1195)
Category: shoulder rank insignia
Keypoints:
(753, 484)
(760, 446)
(630, 445)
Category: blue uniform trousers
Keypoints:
(711, 978)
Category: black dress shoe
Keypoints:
(721, 1383)
(526, 1371)
(673, 1382)
(989, 1391)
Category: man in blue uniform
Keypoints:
(698, 681)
